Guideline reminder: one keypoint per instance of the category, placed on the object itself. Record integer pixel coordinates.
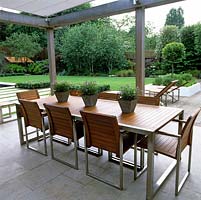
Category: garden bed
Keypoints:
(190, 91)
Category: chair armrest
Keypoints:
(179, 120)
(44, 114)
(168, 134)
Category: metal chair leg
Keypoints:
(121, 163)
(135, 158)
(177, 169)
(34, 149)
(75, 166)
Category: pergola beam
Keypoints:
(154, 3)
(8, 17)
(97, 12)
(106, 10)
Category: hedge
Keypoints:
(33, 85)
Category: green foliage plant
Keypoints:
(89, 88)
(38, 68)
(22, 45)
(33, 85)
(167, 35)
(90, 48)
(195, 73)
(185, 78)
(175, 17)
(125, 73)
(128, 93)
(173, 53)
(62, 87)
(104, 87)
(14, 68)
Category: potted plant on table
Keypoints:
(62, 91)
(128, 99)
(89, 93)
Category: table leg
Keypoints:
(150, 167)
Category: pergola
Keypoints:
(41, 16)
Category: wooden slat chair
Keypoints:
(172, 145)
(148, 100)
(28, 95)
(102, 131)
(34, 117)
(109, 95)
(164, 91)
(62, 124)
(75, 93)
(171, 92)
(99, 152)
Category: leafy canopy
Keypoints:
(22, 45)
(175, 17)
(173, 53)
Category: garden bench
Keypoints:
(7, 115)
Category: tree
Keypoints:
(91, 48)
(188, 39)
(197, 33)
(175, 17)
(22, 45)
(167, 35)
(173, 54)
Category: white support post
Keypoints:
(140, 55)
(51, 59)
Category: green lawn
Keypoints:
(114, 82)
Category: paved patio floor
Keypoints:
(26, 175)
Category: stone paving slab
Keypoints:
(27, 175)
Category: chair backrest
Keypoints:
(32, 113)
(165, 89)
(28, 95)
(60, 120)
(75, 93)
(109, 96)
(148, 100)
(187, 131)
(102, 131)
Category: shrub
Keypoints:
(195, 73)
(102, 88)
(33, 85)
(125, 73)
(62, 87)
(89, 88)
(128, 93)
(182, 78)
(12, 74)
(38, 68)
(158, 81)
(14, 68)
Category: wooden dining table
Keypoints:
(145, 120)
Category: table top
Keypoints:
(145, 118)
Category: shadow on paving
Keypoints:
(189, 104)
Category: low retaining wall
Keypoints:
(189, 91)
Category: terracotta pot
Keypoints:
(127, 106)
(90, 100)
(62, 96)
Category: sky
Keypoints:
(157, 15)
